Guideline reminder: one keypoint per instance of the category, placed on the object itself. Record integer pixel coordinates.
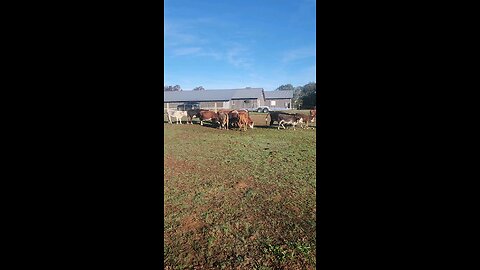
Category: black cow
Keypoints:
(192, 114)
(274, 117)
(289, 119)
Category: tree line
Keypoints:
(179, 88)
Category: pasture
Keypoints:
(239, 199)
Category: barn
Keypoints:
(243, 98)
(279, 99)
(216, 99)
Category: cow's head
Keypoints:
(250, 122)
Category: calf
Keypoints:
(288, 119)
(177, 115)
(193, 113)
(209, 116)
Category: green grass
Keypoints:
(236, 199)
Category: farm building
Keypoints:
(244, 98)
(279, 99)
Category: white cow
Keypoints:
(177, 114)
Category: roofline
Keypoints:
(208, 100)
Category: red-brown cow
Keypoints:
(209, 116)
(305, 119)
(244, 121)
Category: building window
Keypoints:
(273, 103)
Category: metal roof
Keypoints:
(279, 94)
(212, 95)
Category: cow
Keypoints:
(305, 119)
(250, 122)
(209, 116)
(223, 118)
(313, 113)
(288, 119)
(193, 113)
(244, 120)
(233, 118)
(274, 117)
(177, 115)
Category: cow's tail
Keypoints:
(266, 119)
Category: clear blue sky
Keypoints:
(239, 43)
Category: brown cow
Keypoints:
(313, 113)
(223, 118)
(233, 118)
(193, 113)
(209, 116)
(244, 121)
(305, 119)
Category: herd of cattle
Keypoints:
(240, 118)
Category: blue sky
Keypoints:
(235, 44)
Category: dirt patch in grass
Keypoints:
(190, 223)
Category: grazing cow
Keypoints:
(244, 111)
(177, 115)
(244, 120)
(209, 116)
(223, 118)
(193, 113)
(288, 119)
(274, 117)
(250, 122)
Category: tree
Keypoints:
(309, 95)
(200, 88)
(285, 87)
(172, 88)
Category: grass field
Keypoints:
(239, 200)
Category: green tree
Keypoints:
(309, 95)
(285, 87)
